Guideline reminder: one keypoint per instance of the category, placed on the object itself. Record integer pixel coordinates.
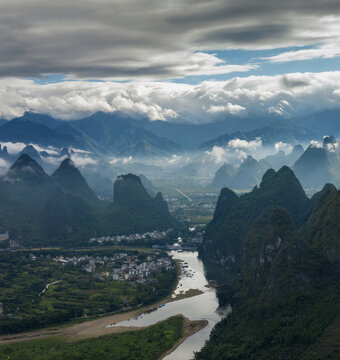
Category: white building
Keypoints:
(4, 236)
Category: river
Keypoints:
(200, 307)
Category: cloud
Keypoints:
(281, 146)
(326, 51)
(332, 147)
(289, 95)
(219, 155)
(50, 149)
(236, 151)
(151, 39)
(4, 166)
(13, 148)
(315, 144)
(82, 161)
(78, 160)
(244, 144)
(229, 108)
(127, 160)
(121, 161)
(175, 159)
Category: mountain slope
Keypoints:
(41, 119)
(134, 210)
(314, 168)
(149, 186)
(294, 155)
(192, 134)
(115, 133)
(21, 130)
(32, 152)
(323, 227)
(223, 236)
(23, 190)
(249, 173)
(70, 180)
(223, 176)
(286, 302)
(80, 137)
(283, 130)
(323, 122)
(38, 209)
(147, 148)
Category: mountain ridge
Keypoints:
(286, 296)
(62, 209)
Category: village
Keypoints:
(131, 237)
(119, 266)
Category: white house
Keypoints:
(4, 236)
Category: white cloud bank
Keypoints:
(4, 166)
(289, 95)
(325, 51)
(236, 151)
(281, 146)
(244, 144)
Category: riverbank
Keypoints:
(150, 343)
(86, 329)
(190, 297)
(89, 328)
(189, 328)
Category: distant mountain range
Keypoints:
(286, 131)
(115, 133)
(314, 167)
(120, 134)
(191, 135)
(284, 251)
(99, 133)
(250, 172)
(116, 143)
(62, 209)
(27, 132)
(318, 165)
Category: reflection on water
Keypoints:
(201, 307)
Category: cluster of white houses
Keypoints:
(4, 236)
(132, 237)
(140, 272)
(119, 266)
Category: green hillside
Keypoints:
(285, 248)
(62, 209)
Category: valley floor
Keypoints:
(151, 343)
(90, 329)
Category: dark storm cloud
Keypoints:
(244, 35)
(151, 39)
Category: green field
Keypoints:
(149, 344)
(78, 292)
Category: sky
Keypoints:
(167, 59)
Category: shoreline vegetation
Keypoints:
(87, 328)
(189, 328)
(72, 293)
(149, 343)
